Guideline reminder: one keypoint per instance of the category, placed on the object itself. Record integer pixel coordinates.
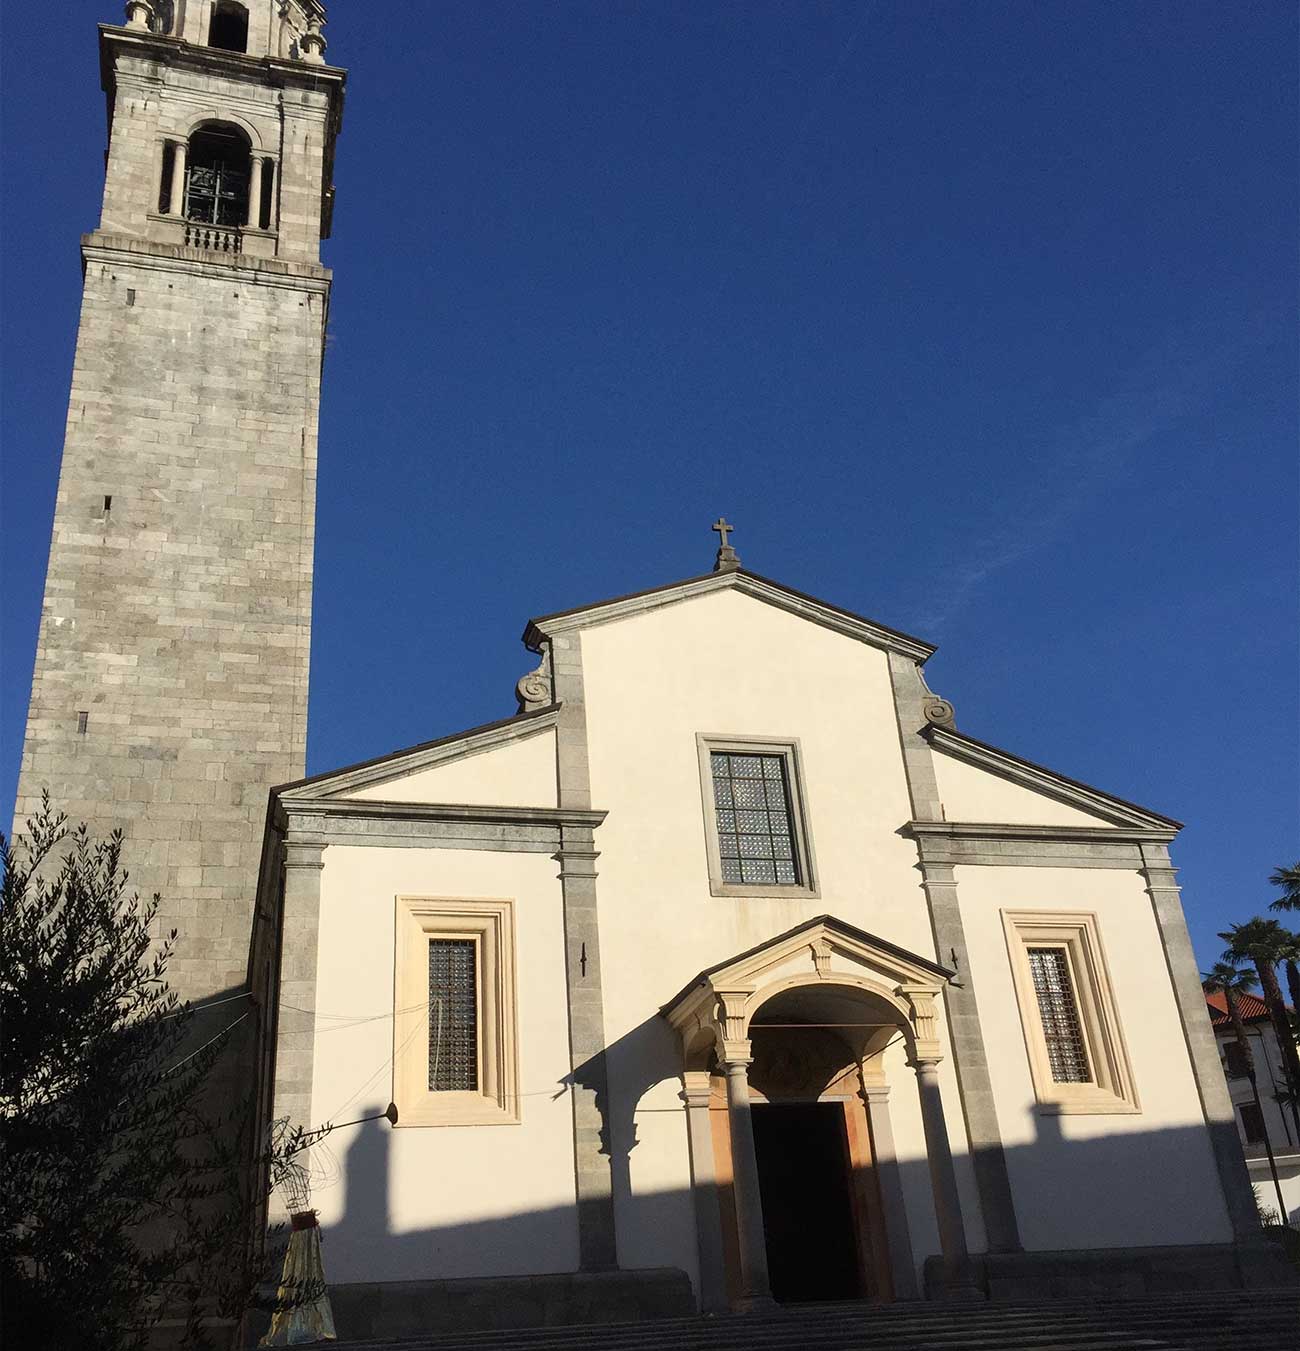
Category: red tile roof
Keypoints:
(1251, 1007)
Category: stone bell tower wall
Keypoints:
(170, 685)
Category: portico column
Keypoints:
(179, 152)
(704, 1188)
(253, 216)
(754, 1284)
(957, 1278)
(898, 1235)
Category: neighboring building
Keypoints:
(170, 686)
(824, 998)
(1255, 1121)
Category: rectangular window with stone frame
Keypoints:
(454, 1024)
(1077, 1057)
(757, 841)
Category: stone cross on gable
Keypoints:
(728, 559)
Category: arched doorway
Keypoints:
(804, 1022)
(822, 1204)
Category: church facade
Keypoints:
(727, 970)
(729, 955)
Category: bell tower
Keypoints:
(170, 686)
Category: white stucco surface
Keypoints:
(969, 793)
(518, 774)
(1110, 1180)
(421, 1203)
(729, 665)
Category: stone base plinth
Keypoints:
(408, 1308)
(1081, 1273)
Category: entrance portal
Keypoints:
(805, 1184)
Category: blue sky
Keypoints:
(976, 318)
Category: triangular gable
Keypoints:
(1038, 796)
(747, 583)
(400, 774)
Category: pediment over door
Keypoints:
(832, 965)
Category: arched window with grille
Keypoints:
(217, 176)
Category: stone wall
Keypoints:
(178, 598)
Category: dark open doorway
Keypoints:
(803, 1170)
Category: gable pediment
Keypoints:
(762, 589)
(825, 953)
(982, 783)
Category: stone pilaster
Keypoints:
(593, 1144)
(704, 1189)
(970, 1060)
(1184, 976)
(302, 864)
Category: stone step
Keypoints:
(1267, 1320)
(760, 1328)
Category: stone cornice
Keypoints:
(216, 61)
(993, 830)
(289, 807)
(751, 584)
(240, 267)
(1040, 779)
(412, 759)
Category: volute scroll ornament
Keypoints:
(534, 689)
(939, 712)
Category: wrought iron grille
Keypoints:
(1058, 1009)
(751, 795)
(216, 194)
(453, 1014)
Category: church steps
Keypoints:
(1208, 1321)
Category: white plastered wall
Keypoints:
(431, 1202)
(969, 793)
(518, 774)
(1082, 1181)
(726, 664)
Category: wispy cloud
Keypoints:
(1075, 464)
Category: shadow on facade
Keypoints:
(1140, 1196)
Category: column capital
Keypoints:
(303, 854)
(737, 1056)
(697, 1088)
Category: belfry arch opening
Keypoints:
(228, 27)
(217, 172)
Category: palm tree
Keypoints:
(1266, 943)
(1289, 880)
(1227, 978)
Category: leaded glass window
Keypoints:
(1058, 1009)
(756, 842)
(453, 1014)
